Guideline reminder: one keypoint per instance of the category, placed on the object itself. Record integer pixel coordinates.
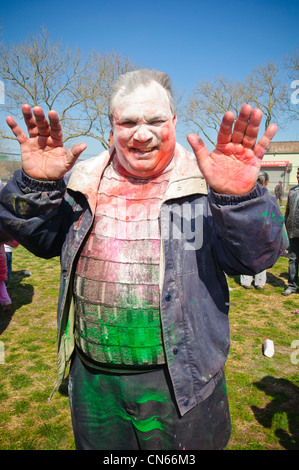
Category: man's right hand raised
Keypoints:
(43, 153)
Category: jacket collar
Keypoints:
(86, 176)
(186, 178)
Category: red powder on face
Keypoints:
(144, 132)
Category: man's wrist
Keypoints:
(41, 184)
(232, 199)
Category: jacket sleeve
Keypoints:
(12, 243)
(287, 211)
(35, 214)
(249, 230)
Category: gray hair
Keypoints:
(263, 177)
(129, 81)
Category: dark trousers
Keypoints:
(113, 411)
(9, 266)
(293, 263)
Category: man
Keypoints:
(279, 192)
(292, 226)
(144, 244)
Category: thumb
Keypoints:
(75, 152)
(199, 148)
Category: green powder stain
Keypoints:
(152, 397)
(147, 425)
(224, 389)
(276, 218)
(122, 335)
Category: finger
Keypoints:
(252, 129)
(263, 144)
(16, 129)
(241, 124)
(41, 122)
(225, 131)
(75, 152)
(55, 127)
(199, 148)
(29, 120)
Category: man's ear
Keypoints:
(110, 139)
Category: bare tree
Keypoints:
(207, 104)
(104, 69)
(5, 151)
(266, 89)
(50, 74)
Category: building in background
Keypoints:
(281, 162)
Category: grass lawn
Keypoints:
(263, 392)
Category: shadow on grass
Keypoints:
(20, 294)
(285, 401)
(276, 281)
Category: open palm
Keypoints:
(43, 153)
(233, 166)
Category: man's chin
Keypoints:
(143, 165)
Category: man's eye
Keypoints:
(128, 123)
(157, 122)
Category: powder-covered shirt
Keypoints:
(116, 283)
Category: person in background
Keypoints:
(260, 278)
(292, 226)
(8, 250)
(5, 300)
(279, 192)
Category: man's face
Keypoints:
(144, 130)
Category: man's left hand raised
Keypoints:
(233, 166)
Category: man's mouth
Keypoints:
(143, 153)
(141, 150)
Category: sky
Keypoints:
(191, 40)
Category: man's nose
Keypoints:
(143, 134)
